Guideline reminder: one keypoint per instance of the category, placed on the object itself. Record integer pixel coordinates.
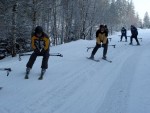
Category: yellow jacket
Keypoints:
(40, 43)
(101, 38)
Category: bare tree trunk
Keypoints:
(84, 14)
(92, 19)
(55, 23)
(62, 31)
(34, 15)
(14, 15)
(48, 20)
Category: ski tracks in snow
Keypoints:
(61, 89)
(118, 95)
(76, 85)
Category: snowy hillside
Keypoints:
(74, 84)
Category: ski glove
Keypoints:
(103, 45)
(37, 51)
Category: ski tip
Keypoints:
(107, 60)
(88, 57)
(93, 59)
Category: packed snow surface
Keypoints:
(74, 84)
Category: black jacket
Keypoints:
(134, 31)
(99, 31)
(123, 31)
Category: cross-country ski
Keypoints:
(96, 60)
(107, 60)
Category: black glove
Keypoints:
(103, 45)
(37, 51)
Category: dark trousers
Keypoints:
(44, 60)
(105, 46)
(135, 37)
(123, 36)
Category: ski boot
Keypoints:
(91, 57)
(104, 57)
(27, 73)
(42, 73)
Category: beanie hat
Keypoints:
(101, 26)
(38, 29)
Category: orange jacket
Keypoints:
(40, 43)
(101, 38)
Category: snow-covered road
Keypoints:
(74, 84)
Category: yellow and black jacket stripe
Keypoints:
(40, 43)
(101, 37)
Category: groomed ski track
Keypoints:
(73, 84)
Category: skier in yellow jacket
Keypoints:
(101, 41)
(40, 44)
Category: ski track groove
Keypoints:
(119, 92)
(58, 93)
(59, 90)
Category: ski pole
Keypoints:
(89, 48)
(22, 55)
(6, 69)
(56, 54)
(93, 47)
(110, 39)
(113, 45)
(51, 54)
(140, 39)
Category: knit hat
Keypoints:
(38, 30)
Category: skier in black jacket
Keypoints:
(123, 34)
(134, 34)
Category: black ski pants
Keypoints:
(123, 36)
(44, 60)
(105, 46)
(135, 37)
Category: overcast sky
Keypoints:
(141, 6)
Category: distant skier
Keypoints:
(101, 41)
(134, 34)
(40, 44)
(123, 34)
